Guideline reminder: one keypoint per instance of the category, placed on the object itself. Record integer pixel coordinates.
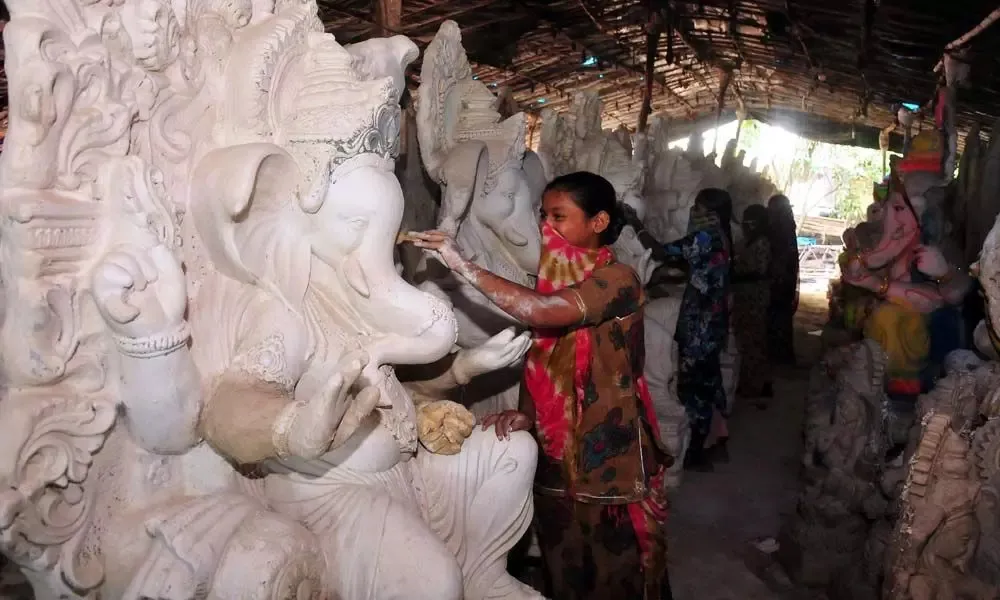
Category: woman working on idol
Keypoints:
(599, 498)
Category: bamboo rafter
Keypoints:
(851, 60)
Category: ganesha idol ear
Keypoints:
(534, 171)
(223, 186)
(463, 178)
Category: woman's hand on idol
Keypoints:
(507, 422)
(439, 243)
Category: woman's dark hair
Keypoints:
(757, 214)
(721, 203)
(779, 202)
(593, 194)
(782, 220)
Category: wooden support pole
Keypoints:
(725, 77)
(867, 32)
(653, 29)
(388, 17)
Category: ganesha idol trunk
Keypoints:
(421, 328)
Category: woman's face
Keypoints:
(698, 211)
(562, 214)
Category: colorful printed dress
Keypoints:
(751, 301)
(702, 327)
(600, 505)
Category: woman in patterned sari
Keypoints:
(784, 280)
(600, 503)
(703, 323)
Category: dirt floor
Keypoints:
(718, 516)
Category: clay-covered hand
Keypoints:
(443, 425)
(331, 416)
(931, 262)
(498, 352)
(440, 243)
(507, 422)
(140, 293)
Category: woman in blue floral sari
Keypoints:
(703, 323)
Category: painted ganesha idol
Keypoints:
(917, 320)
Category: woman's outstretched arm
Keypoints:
(544, 311)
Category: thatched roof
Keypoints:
(843, 62)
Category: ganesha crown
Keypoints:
(329, 103)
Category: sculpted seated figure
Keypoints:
(915, 281)
(935, 540)
(253, 439)
(491, 192)
(576, 142)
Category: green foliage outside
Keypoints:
(850, 170)
(808, 169)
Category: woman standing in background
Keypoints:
(784, 275)
(703, 323)
(751, 302)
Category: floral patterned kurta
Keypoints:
(702, 326)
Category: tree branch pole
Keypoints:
(388, 16)
(725, 77)
(990, 19)
(653, 29)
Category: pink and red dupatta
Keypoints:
(555, 375)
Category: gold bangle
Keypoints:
(581, 305)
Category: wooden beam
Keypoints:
(388, 16)
(725, 78)
(624, 63)
(653, 29)
(867, 33)
(733, 33)
(797, 34)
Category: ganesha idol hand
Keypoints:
(864, 279)
(931, 262)
(855, 272)
(498, 352)
(141, 294)
(329, 418)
